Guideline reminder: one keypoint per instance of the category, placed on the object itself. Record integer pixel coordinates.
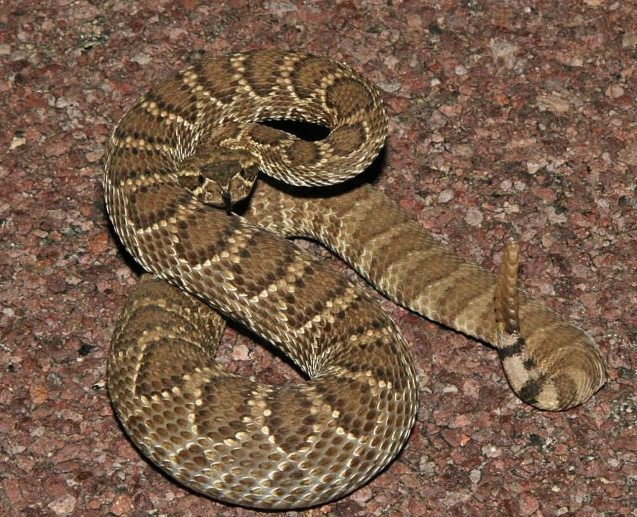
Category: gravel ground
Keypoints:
(507, 117)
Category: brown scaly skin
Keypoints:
(288, 447)
(557, 367)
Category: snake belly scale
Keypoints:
(194, 143)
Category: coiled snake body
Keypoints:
(194, 143)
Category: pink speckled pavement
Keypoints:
(505, 118)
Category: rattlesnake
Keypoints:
(194, 143)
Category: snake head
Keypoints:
(220, 179)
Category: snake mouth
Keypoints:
(227, 201)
